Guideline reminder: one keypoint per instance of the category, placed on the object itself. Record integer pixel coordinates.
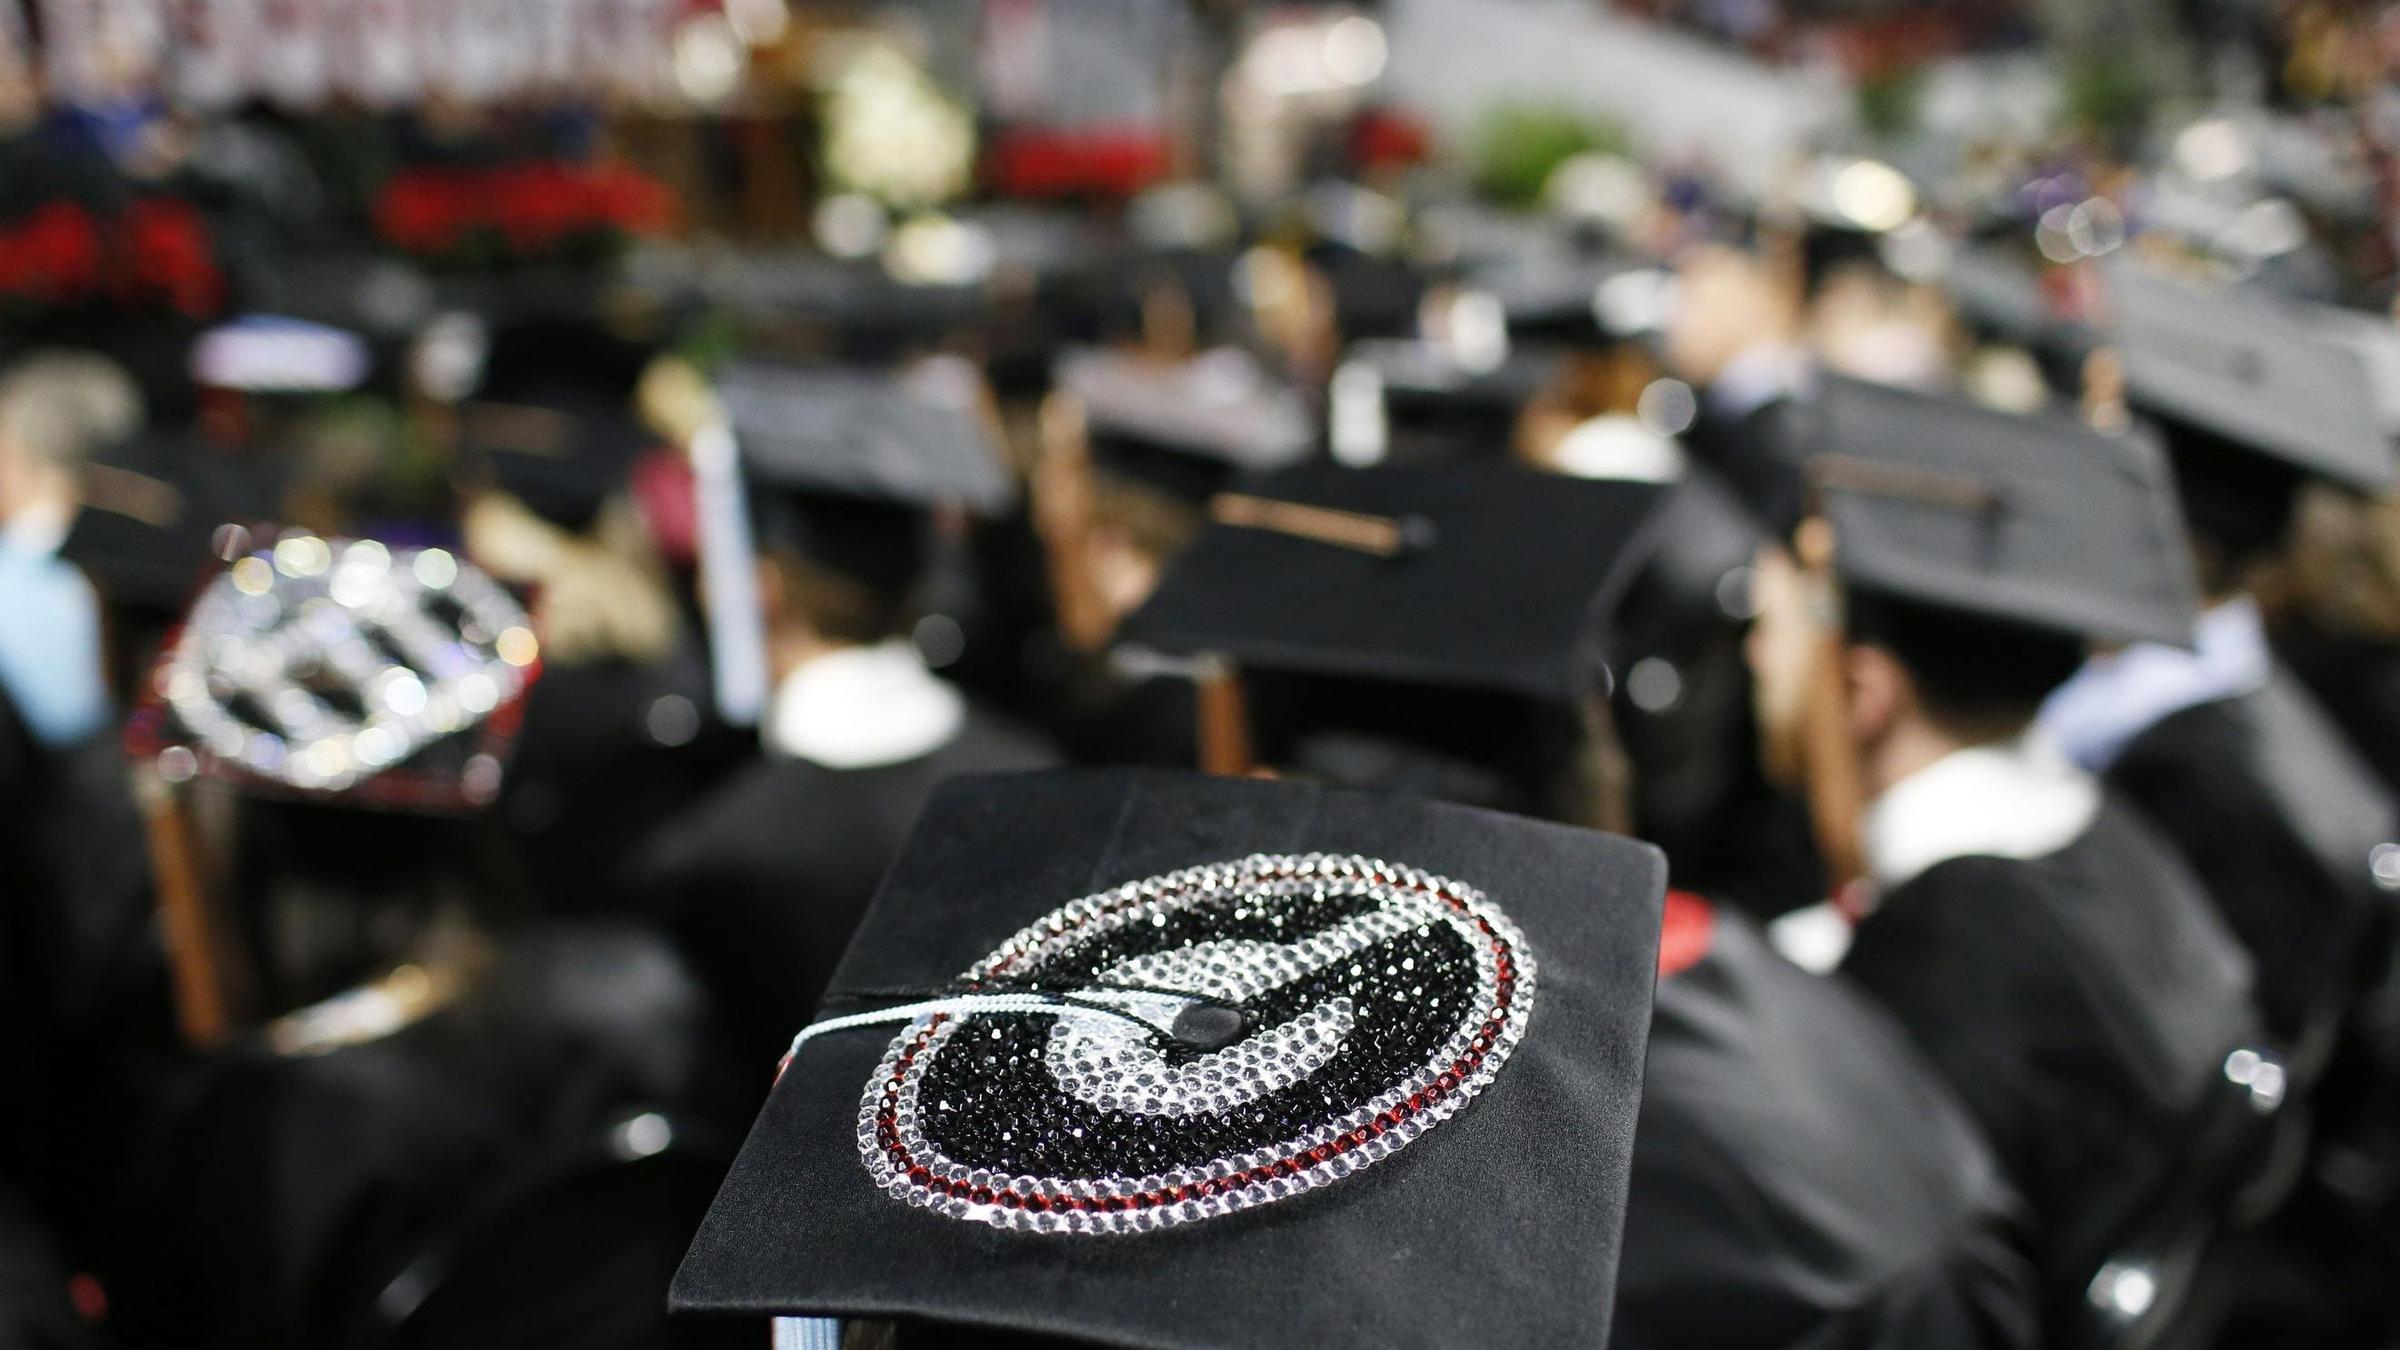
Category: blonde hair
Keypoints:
(604, 592)
(2342, 568)
(57, 406)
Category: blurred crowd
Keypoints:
(488, 582)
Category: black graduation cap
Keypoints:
(2038, 521)
(2251, 371)
(1494, 577)
(861, 433)
(852, 310)
(1212, 1061)
(553, 417)
(1186, 427)
(151, 511)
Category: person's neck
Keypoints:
(1909, 748)
(790, 649)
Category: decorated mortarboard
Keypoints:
(1147, 1059)
(342, 669)
(2251, 371)
(1463, 576)
(269, 354)
(2037, 521)
(1187, 427)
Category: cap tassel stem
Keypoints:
(1381, 536)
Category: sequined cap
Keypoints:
(328, 667)
(1144, 1058)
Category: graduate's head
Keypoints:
(56, 408)
(1965, 678)
(2237, 505)
(1440, 630)
(324, 740)
(1133, 448)
(851, 475)
(1955, 565)
(838, 572)
(2254, 398)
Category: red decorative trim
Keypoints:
(1685, 934)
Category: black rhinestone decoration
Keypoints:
(1376, 1001)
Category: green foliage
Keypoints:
(1518, 145)
(2109, 93)
(1889, 101)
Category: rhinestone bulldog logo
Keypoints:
(1218, 1038)
(322, 662)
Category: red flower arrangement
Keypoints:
(1098, 161)
(170, 255)
(159, 249)
(532, 208)
(51, 256)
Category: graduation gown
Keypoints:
(763, 881)
(607, 752)
(279, 1194)
(1800, 1176)
(2356, 680)
(2081, 1003)
(35, 1310)
(2279, 819)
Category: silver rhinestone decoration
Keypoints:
(319, 663)
(1382, 1000)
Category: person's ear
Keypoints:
(1880, 691)
(771, 595)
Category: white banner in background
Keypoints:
(302, 53)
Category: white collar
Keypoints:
(1756, 376)
(2118, 696)
(863, 707)
(38, 530)
(2015, 799)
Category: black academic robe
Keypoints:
(608, 751)
(1802, 1178)
(2081, 1004)
(2279, 818)
(2356, 680)
(277, 1195)
(36, 1312)
(764, 879)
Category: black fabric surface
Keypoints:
(857, 432)
(763, 879)
(35, 1312)
(1499, 1227)
(2278, 818)
(1801, 1177)
(2080, 534)
(1556, 550)
(607, 752)
(276, 1195)
(2080, 1004)
(2253, 371)
(2356, 680)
